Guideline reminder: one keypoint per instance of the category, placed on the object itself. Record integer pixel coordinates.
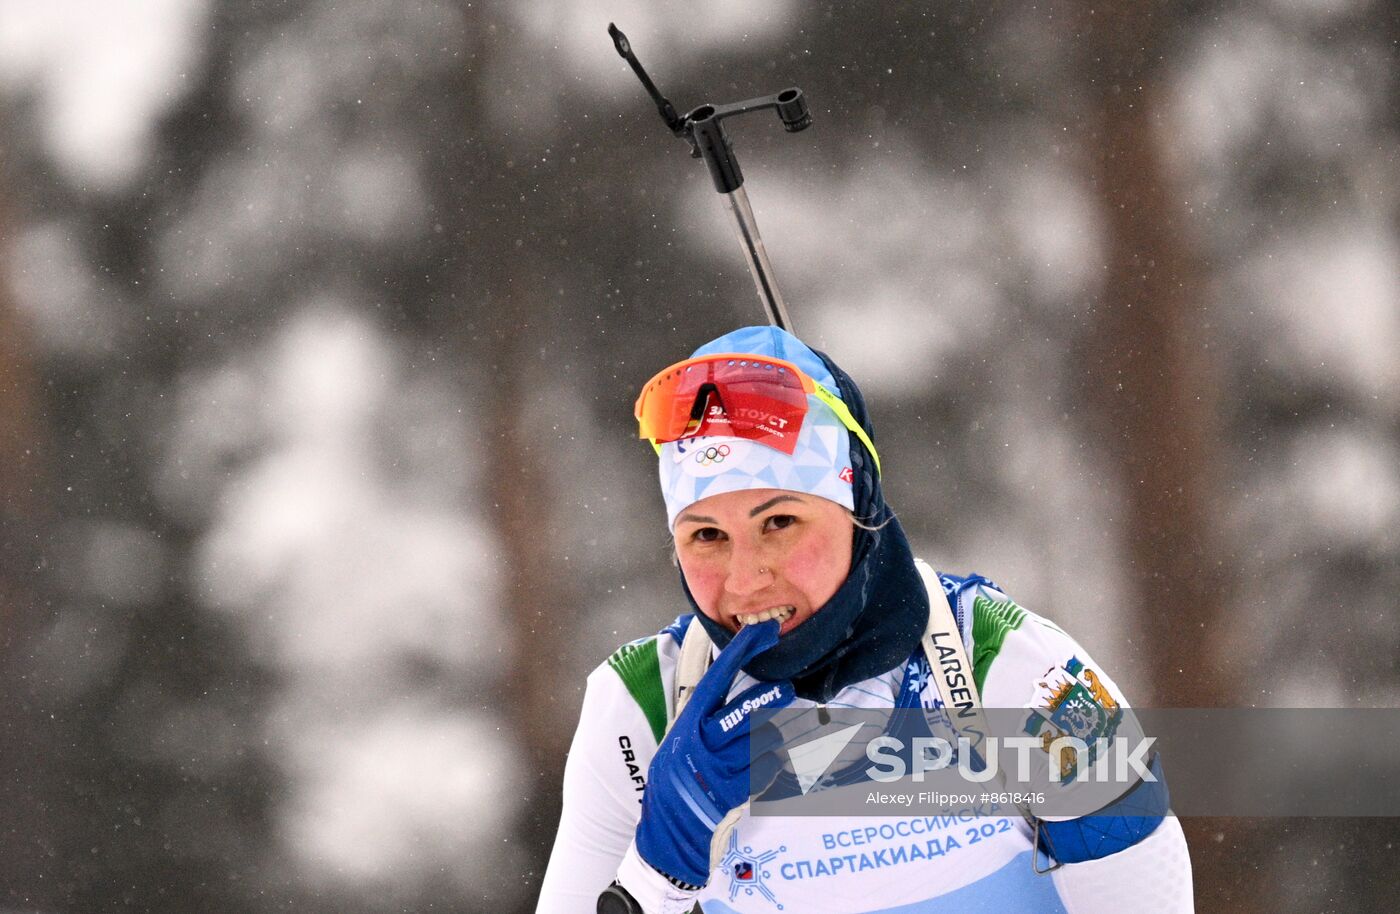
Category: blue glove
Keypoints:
(701, 769)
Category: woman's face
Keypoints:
(763, 553)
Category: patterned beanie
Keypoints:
(820, 463)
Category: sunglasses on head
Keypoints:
(735, 395)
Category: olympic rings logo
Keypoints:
(712, 455)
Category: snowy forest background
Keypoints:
(320, 327)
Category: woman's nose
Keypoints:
(748, 573)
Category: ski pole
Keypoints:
(703, 129)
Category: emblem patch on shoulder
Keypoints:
(1071, 700)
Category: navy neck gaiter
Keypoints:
(875, 619)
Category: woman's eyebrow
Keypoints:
(696, 519)
(773, 501)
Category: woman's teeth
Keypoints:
(781, 613)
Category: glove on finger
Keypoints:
(701, 769)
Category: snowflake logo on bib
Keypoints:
(746, 873)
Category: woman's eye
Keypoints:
(779, 521)
(707, 535)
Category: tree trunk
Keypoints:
(538, 601)
(27, 833)
(1149, 379)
